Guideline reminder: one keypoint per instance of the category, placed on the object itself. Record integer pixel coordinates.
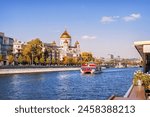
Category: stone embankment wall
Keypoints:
(34, 70)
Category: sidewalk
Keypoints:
(34, 70)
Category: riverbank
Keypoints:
(34, 70)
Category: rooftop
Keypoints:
(142, 47)
(142, 43)
(65, 35)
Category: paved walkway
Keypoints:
(34, 70)
(137, 93)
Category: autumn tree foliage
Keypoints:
(47, 60)
(32, 47)
(32, 51)
(1, 58)
(20, 59)
(87, 57)
(10, 59)
(36, 60)
(42, 60)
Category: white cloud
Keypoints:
(132, 17)
(87, 37)
(108, 19)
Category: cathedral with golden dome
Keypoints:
(65, 48)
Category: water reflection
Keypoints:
(66, 85)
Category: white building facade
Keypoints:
(66, 48)
(17, 46)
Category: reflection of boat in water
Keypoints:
(90, 68)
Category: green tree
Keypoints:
(36, 60)
(10, 59)
(58, 62)
(20, 59)
(42, 60)
(28, 59)
(53, 61)
(47, 60)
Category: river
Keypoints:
(68, 85)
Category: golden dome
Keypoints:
(77, 42)
(65, 35)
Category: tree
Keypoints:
(42, 60)
(65, 60)
(53, 61)
(10, 59)
(70, 61)
(20, 59)
(79, 62)
(75, 61)
(1, 58)
(33, 47)
(27, 50)
(48, 61)
(36, 60)
(87, 57)
(28, 59)
(58, 62)
(98, 61)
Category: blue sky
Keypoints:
(101, 26)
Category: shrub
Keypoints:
(145, 78)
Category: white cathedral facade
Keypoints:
(66, 48)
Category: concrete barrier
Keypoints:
(34, 70)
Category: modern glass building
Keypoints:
(6, 46)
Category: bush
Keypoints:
(145, 78)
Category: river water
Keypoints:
(67, 85)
